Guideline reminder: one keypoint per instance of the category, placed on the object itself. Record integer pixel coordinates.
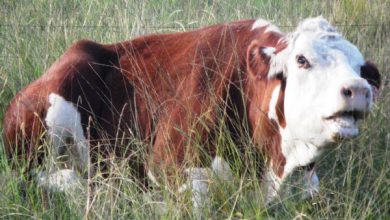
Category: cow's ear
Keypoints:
(258, 59)
(370, 72)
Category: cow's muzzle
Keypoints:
(356, 96)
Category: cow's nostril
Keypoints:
(346, 92)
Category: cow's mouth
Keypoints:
(355, 114)
(344, 123)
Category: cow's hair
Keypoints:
(317, 25)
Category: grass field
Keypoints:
(355, 177)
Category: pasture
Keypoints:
(355, 175)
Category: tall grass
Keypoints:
(355, 177)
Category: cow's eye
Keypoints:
(302, 62)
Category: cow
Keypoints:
(295, 94)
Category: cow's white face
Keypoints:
(325, 94)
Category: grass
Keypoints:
(355, 177)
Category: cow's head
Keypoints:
(329, 86)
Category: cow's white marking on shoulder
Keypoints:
(64, 122)
(262, 23)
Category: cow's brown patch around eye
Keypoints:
(303, 62)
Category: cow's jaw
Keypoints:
(344, 123)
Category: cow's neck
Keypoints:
(296, 152)
(265, 130)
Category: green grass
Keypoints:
(355, 177)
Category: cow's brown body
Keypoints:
(168, 85)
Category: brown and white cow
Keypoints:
(299, 92)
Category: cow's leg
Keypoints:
(221, 169)
(198, 182)
(175, 140)
(83, 155)
(271, 185)
(311, 181)
(199, 179)
(173, 148)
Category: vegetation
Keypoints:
(355, 176)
